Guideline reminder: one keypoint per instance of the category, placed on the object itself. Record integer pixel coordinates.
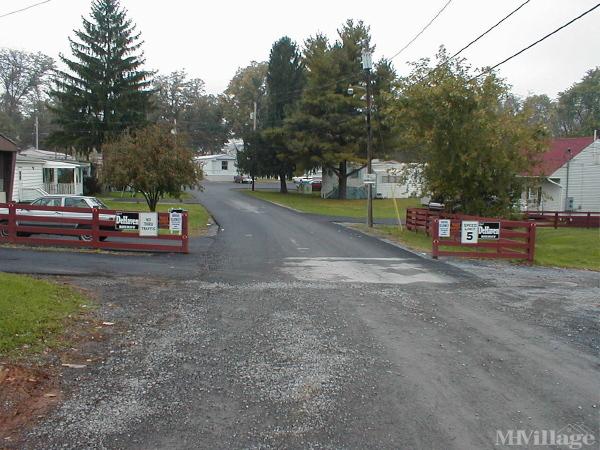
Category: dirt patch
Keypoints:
(26, 394)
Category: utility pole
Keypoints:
(37, 133)
(253, 129)
(367, 64)
(567, 189)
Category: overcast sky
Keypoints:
(212, 39)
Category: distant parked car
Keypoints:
(242, 179)
(316, 184)
(67, 201)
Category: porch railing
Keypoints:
(59, 188)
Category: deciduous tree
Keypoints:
(152, 161)
(248, 86)
(183, 103)
(24, 81)
(473, 149)
(579, 106)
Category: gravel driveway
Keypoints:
(251, 352)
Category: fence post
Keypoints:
(184, 233)
(427, 222)
(435, 241)
(12, 222)
(588, 220)
(555, 220)
(95, 227)
(531, 242)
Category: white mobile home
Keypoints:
(569, 177)
(393, 180)
(220, 167)
(41, 171)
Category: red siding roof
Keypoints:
(557, 155)
(6, 145)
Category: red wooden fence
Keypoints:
(516, 241)
(420, 219)
(97, 226)
(557, 219)
(517, 238)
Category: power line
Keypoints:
(348, 78)
(487, 31)
(473, 41)
(422, 30)
(24, 9)
(488, 70)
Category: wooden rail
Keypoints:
(96, 229)
(516, 239)
(556, 219)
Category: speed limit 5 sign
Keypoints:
(469, 232)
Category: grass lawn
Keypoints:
(198, 216)
(575, 248)
(312, 203)
(33, 313)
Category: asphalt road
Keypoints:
(288, 331)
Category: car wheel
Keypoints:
(3, 234)
(85, 237)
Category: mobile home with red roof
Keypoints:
(569, 174)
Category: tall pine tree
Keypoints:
(285, 80)
(327, 129)
(105, 89)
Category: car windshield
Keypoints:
(96, 202)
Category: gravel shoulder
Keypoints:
(318, 365)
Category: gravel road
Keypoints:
(288, 331)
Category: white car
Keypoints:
(68, 201)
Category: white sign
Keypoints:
(468, 232)
(370, 178)
(175, 222)
(444, 228)
(148, 225)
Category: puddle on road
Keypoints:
(360, 270)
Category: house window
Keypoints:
(48, 175)
(66, 176)
(224, 165)
(391, 179)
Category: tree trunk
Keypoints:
(342, 181)
(282, 184)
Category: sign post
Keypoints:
(489, 231)
(175, 221)
(469, 232)
(148, 224)
(369, 178)
(444, 228)
(127, 221)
